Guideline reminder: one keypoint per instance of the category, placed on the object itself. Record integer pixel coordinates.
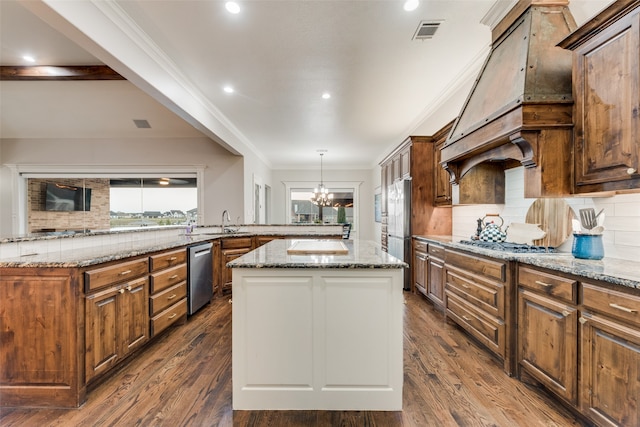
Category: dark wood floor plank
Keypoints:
(184, 379)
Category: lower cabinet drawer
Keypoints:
(168, 277)
(164, 299)
(486, 295)
(166, 318)
(487, 329)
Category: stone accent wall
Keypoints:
(97, 218)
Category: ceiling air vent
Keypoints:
(426, 30)
(142, 124)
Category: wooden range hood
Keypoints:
(520, 106)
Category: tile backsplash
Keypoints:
(622, 216)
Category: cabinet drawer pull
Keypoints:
(172, 296)
(466, 318)
(173, 258)
(546, 285)
(124, 273)
(173, 315)
(622, 308)
(174, 276)
(464, 286)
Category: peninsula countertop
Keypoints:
(361, 254)
(611, 270)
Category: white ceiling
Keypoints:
(280, 56)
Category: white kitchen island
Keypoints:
(317, 331)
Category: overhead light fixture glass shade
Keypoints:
(321, 196)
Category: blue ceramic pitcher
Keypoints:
(587, 246)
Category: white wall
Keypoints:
(360, 177)
(223, 174)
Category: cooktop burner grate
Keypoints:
(509, 247)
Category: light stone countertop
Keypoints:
(611, 270)
(362, 254)
(100, 253)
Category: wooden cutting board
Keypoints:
(554, 216)
(312, 247)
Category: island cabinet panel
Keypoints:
(317, 339)
(39, 357)
(610, 356)
(117, 323)
(478, 296)
(606, 80)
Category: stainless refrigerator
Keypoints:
(399, 224)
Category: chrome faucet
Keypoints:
(225, 216)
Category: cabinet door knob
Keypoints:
(565, 313)
(129, 288)
(582, 320)
(121, 290)
(631, 171)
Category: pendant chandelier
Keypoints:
(321, 196)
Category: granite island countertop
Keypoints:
(611, 270)
(361, 254)
(86, 252)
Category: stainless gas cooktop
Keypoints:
(508, 247)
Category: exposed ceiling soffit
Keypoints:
(90, 72)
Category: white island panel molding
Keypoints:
(317, 339)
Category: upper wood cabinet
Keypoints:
(606, 91)
(442, 194)
(415, 159)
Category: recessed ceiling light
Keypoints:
(410, 5)
(232, 7)
(29, 58)
(326, 95)
(228, 89)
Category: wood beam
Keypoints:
(49, 73)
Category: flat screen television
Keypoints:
(60, 197)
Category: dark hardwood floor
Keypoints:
(184, 379)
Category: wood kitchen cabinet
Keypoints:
(606, 91)
(116, 323)
(548, 330)
(230, 249)
(610, 356)
(478, 297)
(39, 315)
(435, 275)
(420, 266)
(414, 159)
(442, 182)
(168, 289)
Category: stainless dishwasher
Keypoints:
(199, 276)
